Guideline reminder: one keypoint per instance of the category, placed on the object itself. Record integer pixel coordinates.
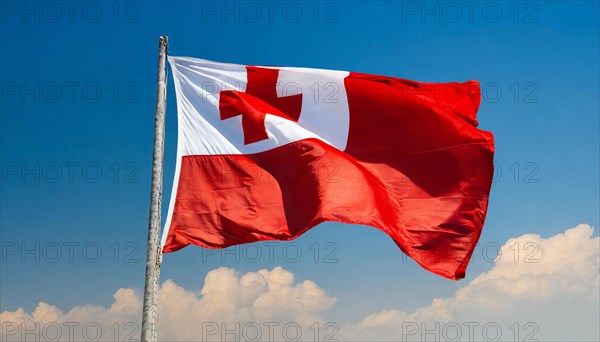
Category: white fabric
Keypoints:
(324, 112)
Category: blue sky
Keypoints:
(78, 95)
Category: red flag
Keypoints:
(267, 153)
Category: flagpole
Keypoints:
(154, 254)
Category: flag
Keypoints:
(266, 153)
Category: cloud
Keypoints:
(539, 288)
(242, 304)
(261, 305)
(546, 289)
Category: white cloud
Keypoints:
(542, 288)
(250, 300)
(263, 303)
(552, 296)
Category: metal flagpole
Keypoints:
(154, 254)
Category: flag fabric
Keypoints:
(266, 153)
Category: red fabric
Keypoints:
(415, 166)
(259, 99)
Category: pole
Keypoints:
(154, 254)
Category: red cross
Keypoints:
(259, 99)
